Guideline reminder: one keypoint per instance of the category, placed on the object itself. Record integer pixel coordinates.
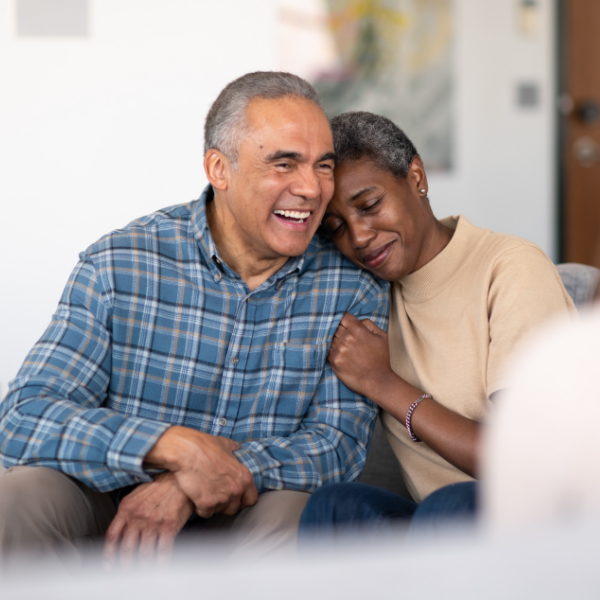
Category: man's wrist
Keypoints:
(166, 452)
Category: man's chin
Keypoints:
(296, 247)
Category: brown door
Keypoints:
(581, 131)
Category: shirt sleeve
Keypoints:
(53, 414)
(332, 442)
(525, 291)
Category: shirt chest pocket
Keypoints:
(296, 370)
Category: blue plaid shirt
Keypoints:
(153, 330)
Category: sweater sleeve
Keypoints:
(525, 291)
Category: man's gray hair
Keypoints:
(359, 134)
(226, 121)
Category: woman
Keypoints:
(462, 299)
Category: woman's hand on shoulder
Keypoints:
(359, 355)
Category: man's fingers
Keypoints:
(232, 444)
(250, 497)
(164, 548)
(112, 539)
(147, 547)
(232, 507)
(129, 546)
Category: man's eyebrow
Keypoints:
(327, 156)
(284, 154)
(279, 154)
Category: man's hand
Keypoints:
(360, 357)
(205, 469)
(148, 520)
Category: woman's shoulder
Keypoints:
(494, 245)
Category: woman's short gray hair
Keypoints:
(359, 134)
(226, 120)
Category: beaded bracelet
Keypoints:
(411, 410)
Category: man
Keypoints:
(184, 373)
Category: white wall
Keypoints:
(97, 131)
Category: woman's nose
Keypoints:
(361, 235)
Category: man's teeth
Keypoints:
(292, 214)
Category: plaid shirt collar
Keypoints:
(210, 252)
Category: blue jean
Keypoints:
(350, 505)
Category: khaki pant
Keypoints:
(47, 515)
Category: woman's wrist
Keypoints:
(395, 395)
(386, 391)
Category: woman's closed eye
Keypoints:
(371, 204)
(333, 228)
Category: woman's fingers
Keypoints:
(348, 321)
(370, 326)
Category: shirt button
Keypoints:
(235, 360)
(223, 422)
(218, 277)
(247, 300)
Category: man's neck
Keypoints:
(253, 270)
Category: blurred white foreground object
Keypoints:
(542, 453)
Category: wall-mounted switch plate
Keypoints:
(52, 18)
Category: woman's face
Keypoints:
(380, 222)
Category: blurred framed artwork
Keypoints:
(392, 57)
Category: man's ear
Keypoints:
(416, 176)
(217, 168)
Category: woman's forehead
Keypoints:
(357, 178)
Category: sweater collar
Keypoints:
(437, 274)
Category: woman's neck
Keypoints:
(434, 242)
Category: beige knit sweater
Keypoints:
(454, 322)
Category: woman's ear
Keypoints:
(416, 176)
(217, 168)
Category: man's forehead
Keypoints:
(287, 111)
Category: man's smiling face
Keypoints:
(277, 194)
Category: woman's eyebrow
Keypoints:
(361, 192)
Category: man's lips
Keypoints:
(376, 258)
(296, 220)
(293, 215)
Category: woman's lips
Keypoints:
(375, 259)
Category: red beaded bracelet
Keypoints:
(411, 410)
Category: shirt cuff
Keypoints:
(126, 452)
(258, 462)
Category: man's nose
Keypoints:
(306, 183)
(361, 234)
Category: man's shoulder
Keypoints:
(325, 268)
(163, 224)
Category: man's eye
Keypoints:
(283, 165)
(326, 167)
